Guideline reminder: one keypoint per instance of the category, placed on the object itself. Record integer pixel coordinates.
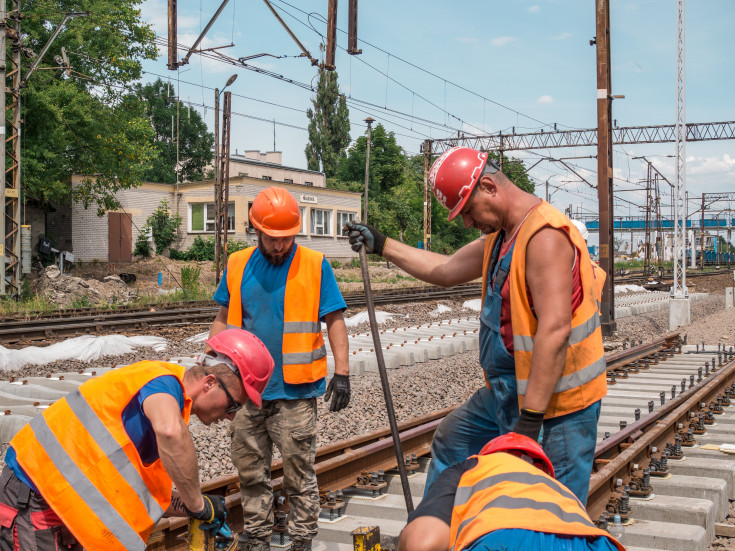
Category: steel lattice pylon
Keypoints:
(679, 289)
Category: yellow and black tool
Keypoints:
(366, 538)
(202, 539)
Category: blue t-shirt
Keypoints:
(263, 290)
(134, 420)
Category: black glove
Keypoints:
(340, 384)
(214, 510)
(360, 234)
(529, 423)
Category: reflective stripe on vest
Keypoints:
(303, 349)
(81, 459)
(504, 492)
(583, 381)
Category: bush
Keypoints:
(165, 227)
(142, 245)
(190, 280)
(203, 249)
(355, 262)
(335, 264)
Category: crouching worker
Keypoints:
(503, 498)
(95, 470)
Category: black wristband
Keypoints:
(529, 423)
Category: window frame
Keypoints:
(327, 224)
(207, 207)
(340, 225)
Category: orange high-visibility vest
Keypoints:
(503, 491)
(583, 381)
(81, 459)
(304, 352)
(600, 277)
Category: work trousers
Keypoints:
(26, 520)
(291, 426)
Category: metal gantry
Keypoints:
(679, 288)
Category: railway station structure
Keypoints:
(111, 238)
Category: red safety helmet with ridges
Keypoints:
(250, 356)
(276, 213)
(520, 445)
(454, 175)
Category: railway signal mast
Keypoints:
(679, 304)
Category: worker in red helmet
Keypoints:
(540, 337)
(95, 469)
(504, 497)
(282, 291)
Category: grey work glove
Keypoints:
(360, 234)
(214, 510)
(338, 390)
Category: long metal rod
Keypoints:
(291, 34)
(204, 32)
(384, 380)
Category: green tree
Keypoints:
(84, 122)
(329, 125)
(387, 162)
(195, 143)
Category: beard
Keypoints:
(276, 260)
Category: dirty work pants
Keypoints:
(291, 426)
(569, 440)
(30, 525)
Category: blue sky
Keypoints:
(430, 69)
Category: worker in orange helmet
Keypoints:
(505, 497)
(95, 469)
(540, 334)
(282, 291)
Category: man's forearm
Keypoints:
(178, 457)
(338, 341)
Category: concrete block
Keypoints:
(340, 532)
(699, 512)
(679, 312)
(729, 297)
(666, 535)
(9, 425)
(698, 487)
(723, 469)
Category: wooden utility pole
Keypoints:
(604, 163)
(2, 146)
(173, 52)
(427, 195)
(217, 189)
(224, 177)
(331, 35)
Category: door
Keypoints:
(120, 237)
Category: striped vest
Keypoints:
(304, 352)
(583, 381)
(503, 491)
(79, 456)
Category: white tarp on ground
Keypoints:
(362, 317)
(86, 348)
(199, 337)
(475, 304)
(630, 289)
(440, 309)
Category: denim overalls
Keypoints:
(569, 440)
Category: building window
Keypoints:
(302, 210)
(251, 228)
(308, 183)
(321, 222)
(266, 178)
(202, 215)
(242, 173)
(288, 181)
(342, 219)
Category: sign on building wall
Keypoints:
(308, 199)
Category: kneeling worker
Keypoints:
(503, 498)
(95, 470)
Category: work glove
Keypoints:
(529, 423)
(214, 511)
(338, 390)
(360, 234)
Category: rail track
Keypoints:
(72, 323)
(630, 464)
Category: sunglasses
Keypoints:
(234, 405)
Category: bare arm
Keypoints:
(438, 269)
(337, 334)
(175, 447)
(425, 534)
(218, 325)
(549, 262)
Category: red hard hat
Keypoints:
(454, 175)
(250, 356)
(520, 445)
(276, 213)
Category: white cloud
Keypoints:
(466, 39)
(502, 40)
(724, 165)
(562, 36)
(545, 100)
(534, 9)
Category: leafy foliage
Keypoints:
(190, 279)
(84, 122)
(195, 143)
(165, 228)
(203, 249)
(143, 245)
(329, 125)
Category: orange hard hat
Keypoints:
(521, 446)
(276, 213)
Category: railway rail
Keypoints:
(627, 462)
(15, 330)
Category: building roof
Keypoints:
(245, 160)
